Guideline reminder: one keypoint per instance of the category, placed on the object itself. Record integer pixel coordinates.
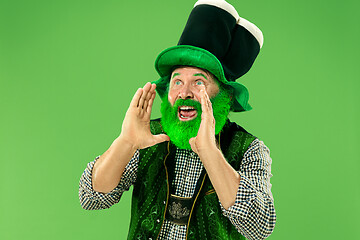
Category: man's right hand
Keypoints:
(136, 125)
(135, 134)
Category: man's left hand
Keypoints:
(205, 138)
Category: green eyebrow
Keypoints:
(200, 74)
(175, 74)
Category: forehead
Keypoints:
(190, 70)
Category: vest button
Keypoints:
(164, 202)
(157, 220)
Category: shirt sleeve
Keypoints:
(253, 213)
(92, 200)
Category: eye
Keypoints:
(199, 83)
(177, 83)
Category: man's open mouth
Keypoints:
(187, 113)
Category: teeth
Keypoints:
(183, 108)
(184, 117)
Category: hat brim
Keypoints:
(186, 55)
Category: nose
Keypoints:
(186, 92)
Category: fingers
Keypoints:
(135, 100)
(206, 105)
(149, 96)
(143, 96)
(146, 90)
(151, 101)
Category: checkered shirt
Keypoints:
(253, 213)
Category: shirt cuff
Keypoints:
(91, 199)
(244, 199)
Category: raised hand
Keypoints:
(205, 138)
(136, 125)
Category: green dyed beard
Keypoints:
(180, 132)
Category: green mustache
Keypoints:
(187, 102)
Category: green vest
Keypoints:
(152, 187)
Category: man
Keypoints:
(195, 174)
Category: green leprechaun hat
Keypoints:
(215, 38)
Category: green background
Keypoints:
(68, 70)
